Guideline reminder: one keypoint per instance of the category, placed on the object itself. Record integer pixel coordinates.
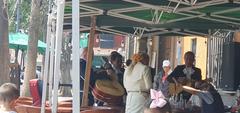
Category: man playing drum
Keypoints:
(108, 87)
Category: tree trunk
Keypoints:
(4, 50)
(65, 67)
(30, 70)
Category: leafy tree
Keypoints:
(34, 33)
(24, 14)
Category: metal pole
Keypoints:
(59, 34)
(208, 53)
(218, 60)
(52, 53)
(46, 67)
(211, 57)
(75, 56)
(214, 58)
(18, 16)
(157, 54)
(89, 61)
(221, 58)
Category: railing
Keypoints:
(215, 54)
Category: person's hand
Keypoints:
(110, 71)
(112, 74)
(179, 87)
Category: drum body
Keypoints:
(102, 109)
(108, 91)
(174, 89)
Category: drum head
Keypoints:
(109, 87)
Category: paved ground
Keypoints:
(228, 97)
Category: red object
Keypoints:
(34, 109)
(110, 99)
(96, 40)
(102, 109)
(105, 91)
(233, 109)
(35, 92)
(238, 101)
(164, 77)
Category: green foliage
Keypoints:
(11, 14)
(25, 14)
(25, 10)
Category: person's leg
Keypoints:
(128, 103)
(81, 95)
(99, 103)
(90, 99)
(152, 110)
(147, 110)
(135, 102)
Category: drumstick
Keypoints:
(175, 85)
(84, 80)
(175, 81)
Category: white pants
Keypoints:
(135, 102)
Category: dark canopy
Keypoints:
(159, 17)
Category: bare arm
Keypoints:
(190, 90)
(204, 95)
(148, 78)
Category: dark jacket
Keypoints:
(91, 82)
(216, 107)
(178, 72)
(82, 74)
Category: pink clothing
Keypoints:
(158, 99)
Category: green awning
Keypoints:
(20, 41)
(122, 16)
(84, 40)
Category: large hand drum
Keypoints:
(108, 91)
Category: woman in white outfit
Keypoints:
(138, 82)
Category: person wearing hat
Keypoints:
(160, 80)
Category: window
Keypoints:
(194, 45)
(106, 41)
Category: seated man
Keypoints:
(211, 101)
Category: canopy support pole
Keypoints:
(51, 69)
(59, 34)
(46, 67)
(75, 56)
(89, 61)
(138, 31)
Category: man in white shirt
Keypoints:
(138, 82)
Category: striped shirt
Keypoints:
(206, 96)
